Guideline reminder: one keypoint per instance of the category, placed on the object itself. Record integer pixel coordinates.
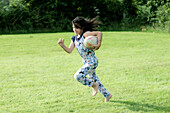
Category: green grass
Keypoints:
(37, 76)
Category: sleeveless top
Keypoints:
(87, 55)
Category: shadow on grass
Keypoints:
(134, 106)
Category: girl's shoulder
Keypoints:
(78, 39)
(74, 38)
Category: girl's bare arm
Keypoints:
(98, 34)
(67, 49)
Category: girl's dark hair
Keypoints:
(86, 24)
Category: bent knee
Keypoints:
(77, 76)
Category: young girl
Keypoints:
(83, 27)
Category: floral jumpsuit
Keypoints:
(86, 74)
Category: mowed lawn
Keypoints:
(37, 76)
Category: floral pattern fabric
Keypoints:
(87, 74)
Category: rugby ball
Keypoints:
(90, 41)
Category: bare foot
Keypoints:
(95, 87)
(107, 98)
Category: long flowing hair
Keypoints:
(86, 24)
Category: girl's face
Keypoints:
(77, 31)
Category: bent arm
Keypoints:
(67, 49)
(98, 34)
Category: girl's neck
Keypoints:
(78, 36)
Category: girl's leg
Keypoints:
(102, 89)
(81, 74)
(87, 69)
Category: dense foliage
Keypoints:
(24, 16)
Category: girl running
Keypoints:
(83, 28)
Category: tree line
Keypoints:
(28, 16)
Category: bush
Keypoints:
(163, 14)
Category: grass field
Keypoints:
(37, 76)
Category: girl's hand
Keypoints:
(96, 47)
(61, 42)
